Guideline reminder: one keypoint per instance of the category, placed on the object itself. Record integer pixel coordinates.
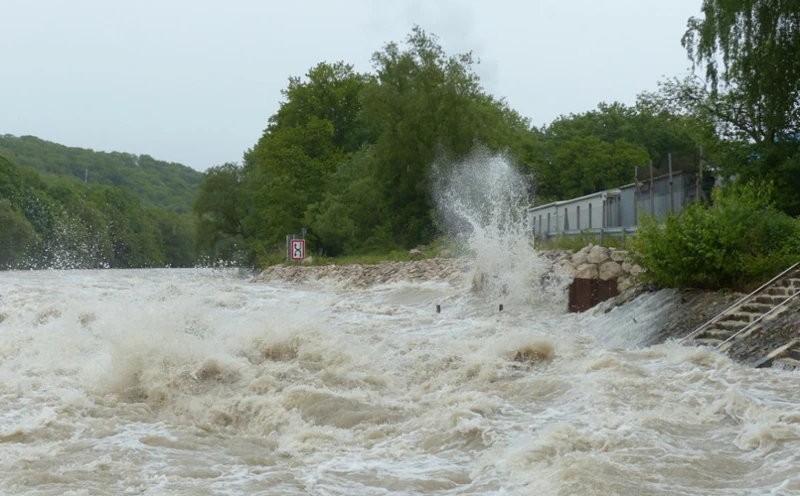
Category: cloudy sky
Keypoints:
(194, 81)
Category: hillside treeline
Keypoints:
(350, 155)
(59, 222)
(157, 183)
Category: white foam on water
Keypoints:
(483, 200)
(200, 382)
(197, 382)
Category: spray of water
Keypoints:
(482, 200)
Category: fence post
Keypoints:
(699, 179)
(636, 195)
(671, 195)
(652, 199)
(590, 215)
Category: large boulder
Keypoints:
(586, 271)
(624, 283)
(619, 255)
(610, 270)
(598, 255)
(568, 266)
(416, 254)
(580, 257)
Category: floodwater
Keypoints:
(200, 382)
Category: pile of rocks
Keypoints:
(362, 276)
(598, 262)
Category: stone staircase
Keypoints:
(785, 357)
(749, 314)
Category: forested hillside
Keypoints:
(48, 221)
(157, 183)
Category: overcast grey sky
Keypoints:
(194, 81)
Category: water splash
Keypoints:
(482, 200)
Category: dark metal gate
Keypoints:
(586, 293)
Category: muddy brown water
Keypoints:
(199, 382)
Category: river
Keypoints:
(200, 382)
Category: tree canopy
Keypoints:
(351, 156)
(157, 183)
(750, 51)
(48, 221)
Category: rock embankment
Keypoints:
(599, 262)
(449, 270)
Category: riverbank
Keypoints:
(448, 270)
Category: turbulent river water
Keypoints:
(200, 382)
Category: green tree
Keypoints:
(753, 95)
(739, 241)
(157, 183)
(424, 106)
(16, 235)
(583, 164)
(288, 169)
(348, 220)
(220, 207)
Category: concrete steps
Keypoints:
(786, 357)
(747, 316)
(786, 363)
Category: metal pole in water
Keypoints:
(438, 309)
(501, 307)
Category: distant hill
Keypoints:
(157, 183)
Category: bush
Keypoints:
(738, 242)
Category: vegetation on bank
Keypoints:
(438, 248)
(738, 241)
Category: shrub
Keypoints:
(739, 241)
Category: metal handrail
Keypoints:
(751, 324)
(739, 302)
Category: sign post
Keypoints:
(297, 250)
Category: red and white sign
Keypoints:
(297, 249)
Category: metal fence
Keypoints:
(656, 191)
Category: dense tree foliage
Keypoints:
(354, 157)
(600, 149)
(740, 241)
(751, 91)
(158, 184)
(60, 222)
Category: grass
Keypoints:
(576, 242)
(436, 247)
(432, 250)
